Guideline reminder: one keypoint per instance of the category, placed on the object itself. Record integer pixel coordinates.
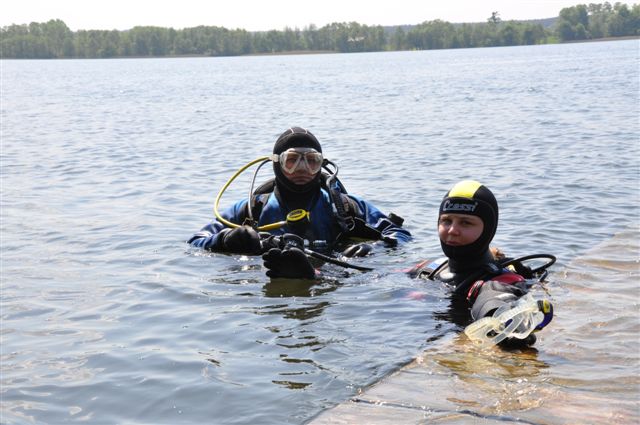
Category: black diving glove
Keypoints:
(389, 242)
(241, 240)
(358, 250)
(289, 263)
(517, 343)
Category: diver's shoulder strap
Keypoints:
(346, 211)
(266, 187)
(257, 203)
(350, 206)
(259, 198)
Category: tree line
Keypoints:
(54, 39)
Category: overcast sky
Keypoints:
(262, 15)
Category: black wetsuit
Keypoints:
(477, 290)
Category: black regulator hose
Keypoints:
(335, 261)
(551, 260)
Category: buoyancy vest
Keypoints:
(465, 285)
(347, 214)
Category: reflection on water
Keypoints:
(305, 312)
(494, 363)
(492, 382)
(282, 288)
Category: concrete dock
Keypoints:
(572, 376)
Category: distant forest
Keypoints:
(54, 40)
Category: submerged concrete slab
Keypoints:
(413, 395)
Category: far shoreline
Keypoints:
(327, 52)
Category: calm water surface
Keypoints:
(108, 166)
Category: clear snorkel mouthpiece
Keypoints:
(510, 321)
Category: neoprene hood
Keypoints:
(472, 198)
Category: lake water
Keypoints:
(108, 166)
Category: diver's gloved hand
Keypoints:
(358, 250)
(241, 240)
(390, 242)
(516, 343)
(288, 263)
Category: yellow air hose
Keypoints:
(222, 220)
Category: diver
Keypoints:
(302, 205)
(482, 281)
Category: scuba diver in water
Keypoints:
(482, 280)
(302, 207)
(488, 290)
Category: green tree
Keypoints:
(533, 34)
(621, 21)
(53, 39)
(565, 31)
(573, 23)
(576, 15)
(58, 38)
(509, 35)
(494, 18)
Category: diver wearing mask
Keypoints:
(304, 201)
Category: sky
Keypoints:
(264, 15)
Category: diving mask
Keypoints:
(295, 158)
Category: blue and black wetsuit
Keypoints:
(331, 216)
